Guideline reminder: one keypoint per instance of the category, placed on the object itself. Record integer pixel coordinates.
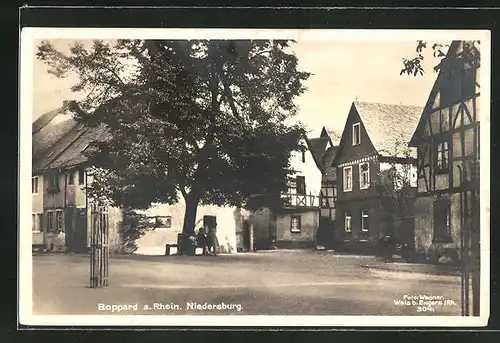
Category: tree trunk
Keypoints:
(188, 228)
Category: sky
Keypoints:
(342, 71)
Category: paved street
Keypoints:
(272, 283)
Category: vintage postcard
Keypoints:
(209, 177)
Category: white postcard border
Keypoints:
(28, 35)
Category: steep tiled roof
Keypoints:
(335, 135)
(388, 123)
(59, 141)
(50, 128)
(73, 154)
(318, 146)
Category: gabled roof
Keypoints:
(74, 154)
(322, 152)
(318, 146)
(333, 134)
(59, 141)
(454, 46)
(49, 128)
(387, 124)
(329, 156)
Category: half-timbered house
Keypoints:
(368, 149)
(447, 139)
(324, 149)
(296, 222)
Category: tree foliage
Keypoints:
(203, 118)
(413, 65)
(395, 186)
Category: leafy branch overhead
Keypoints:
(413, 66)
(202, 118)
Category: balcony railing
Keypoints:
(300, 200)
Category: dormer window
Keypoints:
(356, 134)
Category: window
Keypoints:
(334, 192)
(301, 185)
(356, 134)
(442, 155)
(50, 221)
(364, 220)
(163, 221)
(348, 222)
(303, 157)
(324, 201)
(54, 183)
(34, 185)
(59, 220)
(81, 176)
(442, 222)
(33, 223)
(364, 175)
(71, 179)
(347, 179)
(295, 222)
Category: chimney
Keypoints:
(66, 103)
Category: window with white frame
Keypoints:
(364, 220)
(59, 220)
(442, 155)
(34, 185)
(347, 179)
(356, 134)
(348, 222)
(33, 223)
(295, 223)
(364, 175)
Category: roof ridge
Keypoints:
(386, 104)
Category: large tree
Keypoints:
(206, 119)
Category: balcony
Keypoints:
(293, 200)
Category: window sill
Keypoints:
(366, 187)
(294, 231)
(347, 190)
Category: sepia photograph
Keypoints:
(256, 177)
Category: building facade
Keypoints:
(296, 223)
(447, 139)
(60, 206)
(324, 150)
(368, 150)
